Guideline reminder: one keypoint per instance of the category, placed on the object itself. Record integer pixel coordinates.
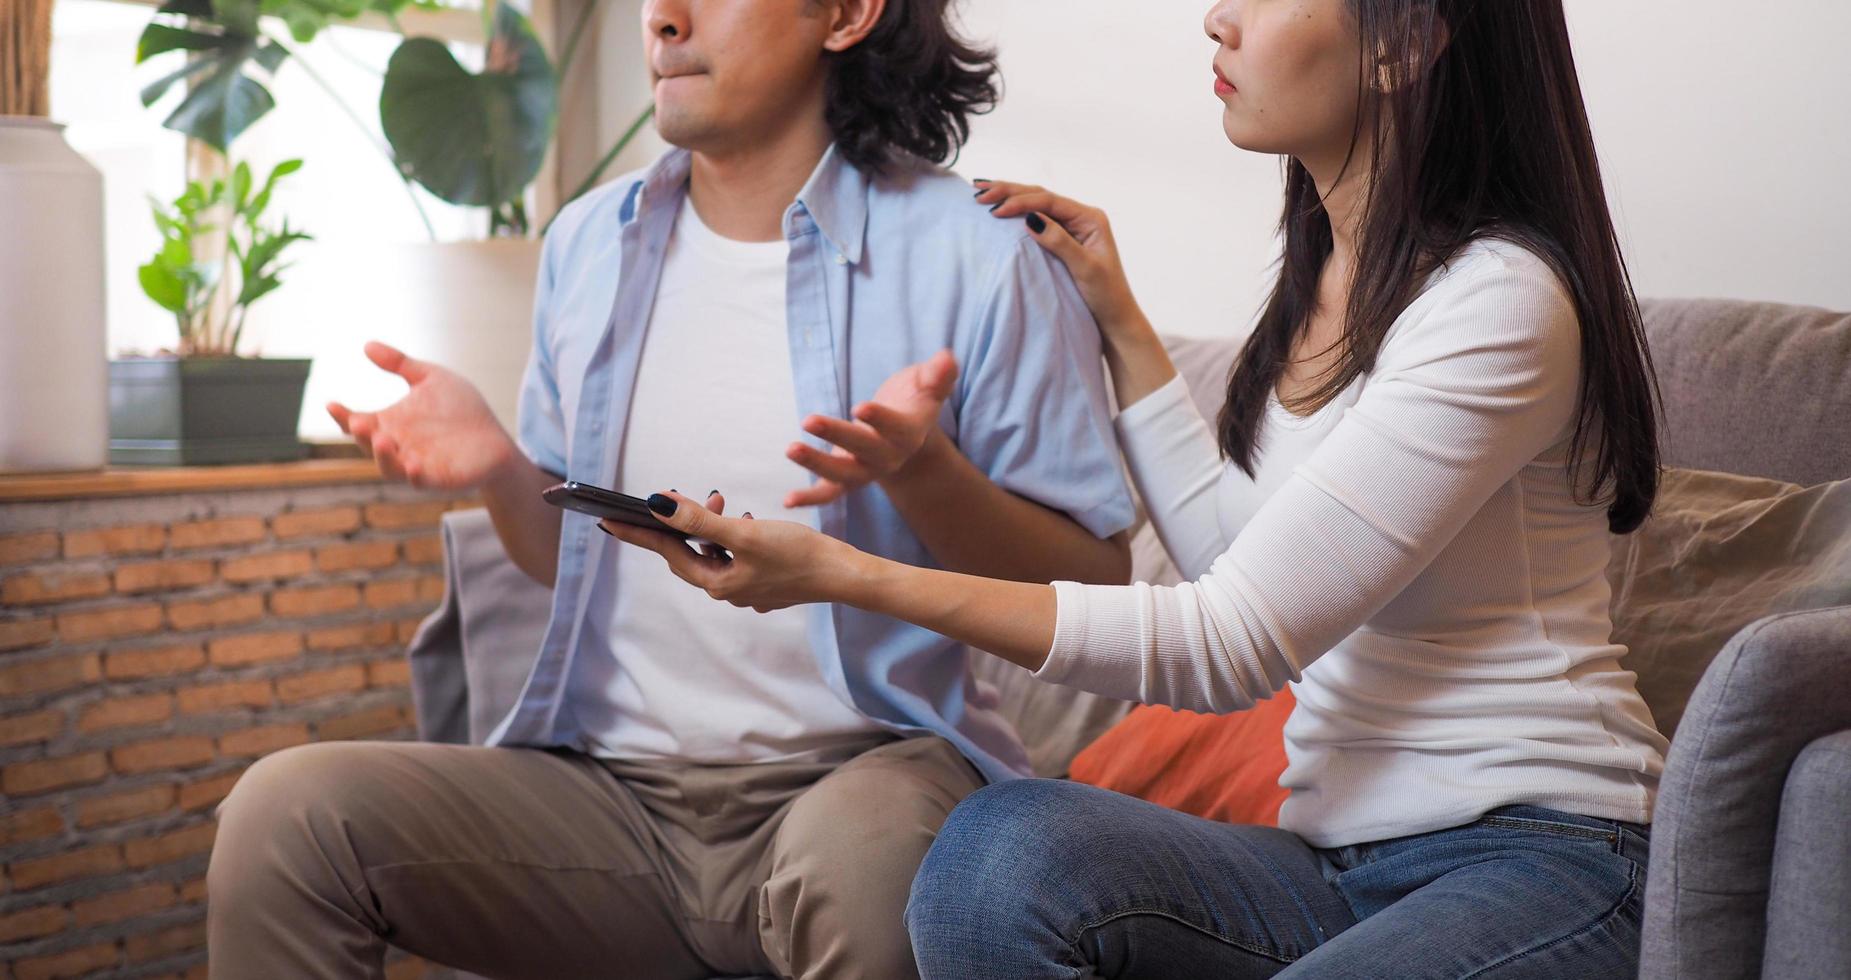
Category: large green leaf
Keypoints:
(225, 54)
(224, 105)
(471, 139)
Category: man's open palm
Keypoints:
(441, 435)
(887, 431)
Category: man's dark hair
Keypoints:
(909, 87)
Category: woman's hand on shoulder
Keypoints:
(1081, 237)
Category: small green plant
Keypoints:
(213, 240)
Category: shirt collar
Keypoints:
(835, 197)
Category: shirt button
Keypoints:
(841, 260)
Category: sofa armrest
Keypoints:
(1809, 904)
(1779, 685)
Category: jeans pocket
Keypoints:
(1542, 820)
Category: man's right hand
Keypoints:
(441, 435)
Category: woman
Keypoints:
(1445, 407)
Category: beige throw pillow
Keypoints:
(1719, 552)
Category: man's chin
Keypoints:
(681, 128)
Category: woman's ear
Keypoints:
(1421, 36)
(851, 21)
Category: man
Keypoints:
(685, 790)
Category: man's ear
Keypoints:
(1421, 46)
(851, 21)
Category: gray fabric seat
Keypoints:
(1764, 390)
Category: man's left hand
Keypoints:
(885, 433)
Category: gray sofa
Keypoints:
(1751, 849)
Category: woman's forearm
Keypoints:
(1136, 357)
(1013, 620)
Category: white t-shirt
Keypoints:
(714, 407)
(1412, 556)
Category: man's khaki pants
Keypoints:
(532, 863)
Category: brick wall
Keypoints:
(150, 649)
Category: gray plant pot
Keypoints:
(187, 411)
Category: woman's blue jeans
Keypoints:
(1040, 878)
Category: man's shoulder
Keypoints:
(917, 198)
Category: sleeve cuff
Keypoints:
(1069, 633)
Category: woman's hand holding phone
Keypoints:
(772, 564)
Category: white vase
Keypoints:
(54, 403)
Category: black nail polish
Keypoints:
(606, 530)
(993, 207)
(980, 191)
(712, 494)
(662, 505)
(980, 180)
(1036, 225)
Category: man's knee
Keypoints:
(268, 822)
(842, 866)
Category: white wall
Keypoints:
(1722, 128)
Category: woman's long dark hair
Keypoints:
(909, 87)
(1482, 132)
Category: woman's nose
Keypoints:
(1222, 23)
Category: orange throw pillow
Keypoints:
(1223, 767)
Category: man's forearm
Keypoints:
(973, 526)
(527, 525)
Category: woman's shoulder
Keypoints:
(1495, 309)
(1513, 270)
(1490, 288)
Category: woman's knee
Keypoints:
(997, 843)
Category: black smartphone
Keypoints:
(608, 504)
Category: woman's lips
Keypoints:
(1222, 85)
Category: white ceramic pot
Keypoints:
(54, 403)
(465, 305)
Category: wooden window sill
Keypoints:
(328, 463)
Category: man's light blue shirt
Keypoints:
(884, 271)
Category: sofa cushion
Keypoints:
(471, 657)
(1222, 767)
(1756, 388)
(1719, 552)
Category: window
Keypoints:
(347, 191)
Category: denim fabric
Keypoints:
(1040, 878)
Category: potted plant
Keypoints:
(471, 138)
(201, 402)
